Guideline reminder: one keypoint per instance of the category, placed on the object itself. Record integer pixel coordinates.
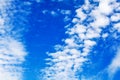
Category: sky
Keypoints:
(59, 39)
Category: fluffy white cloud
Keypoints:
(92, 34)
(105, 7)
(104, 35)
(91, 20)
(115, 17)
(80, 14)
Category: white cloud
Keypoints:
(80, 14)
(91, 33)
(105, 7)
(115, 65)
(100, 19)
(89, 43)
(115, 17)
(117, 26)
(70, 42)
(12, 53)
(118, 8)
(80, 28)
(12, 50)
(66, 62)
(65, 12)
(104, 35)
(1, 22)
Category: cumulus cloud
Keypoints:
(67, 62)
(12, 50)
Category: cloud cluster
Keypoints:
(12, 50)
(90, 21)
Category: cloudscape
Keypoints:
(59, 39)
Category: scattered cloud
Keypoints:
(90, 22)
(12, 50)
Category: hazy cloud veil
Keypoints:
(94, 20)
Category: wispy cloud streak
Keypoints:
(12, 50)
(90, 21)
(115, 65)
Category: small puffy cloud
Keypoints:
(53, 13)
(105, 7)
(115, 17)
(80, 28)
(117, 26)
(104, 35)
(65, 12)
(89, 43)
(91, 33)
(100, 19)
(70, 42)
(80, 14)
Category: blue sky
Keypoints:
(59, 39)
